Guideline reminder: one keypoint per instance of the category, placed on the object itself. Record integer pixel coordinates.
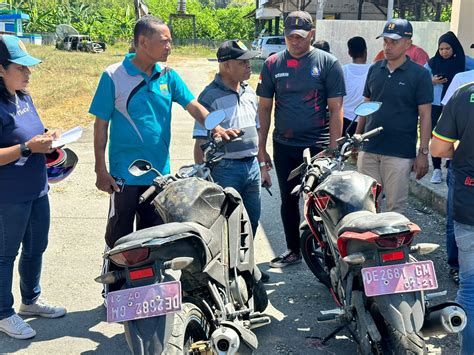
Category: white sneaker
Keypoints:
(41, 309)
(16, 327)
(436, 178)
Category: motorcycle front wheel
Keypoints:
(190, 326)
(314, 257)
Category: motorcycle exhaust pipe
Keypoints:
(225, 341)
(445, 318)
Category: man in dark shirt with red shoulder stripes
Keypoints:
(303, 82)
(457, 124)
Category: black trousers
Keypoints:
(123, 211)
(287, 158)
(435, 114)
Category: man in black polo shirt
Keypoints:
(302, 81)
(457, 124)
(406, 93)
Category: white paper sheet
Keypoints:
(68, 137)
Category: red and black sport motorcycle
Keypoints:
(366, 259)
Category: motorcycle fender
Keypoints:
(404, 311)
(150, 335)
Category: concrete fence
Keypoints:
(337, 32)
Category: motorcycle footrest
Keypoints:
(259, 322)
(331, 315)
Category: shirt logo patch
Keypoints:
(315, 72)
(472, 98)
(164, 88)
(281, 75)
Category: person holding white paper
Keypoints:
(24, 204)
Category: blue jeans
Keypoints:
(451, 247)
(244, 176)
(25, 223)
(465, 242)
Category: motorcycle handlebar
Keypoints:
(146, 195)
(219, 140)
(371, 133)
(309, 183)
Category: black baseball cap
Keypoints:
(234, 49)
(397, 28)
(298, 22)
(472, 45)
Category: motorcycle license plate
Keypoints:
(399, 278)
(144, 302)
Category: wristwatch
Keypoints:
(25, 151)
(424, 150)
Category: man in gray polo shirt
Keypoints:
(228, 91)
(406, 92)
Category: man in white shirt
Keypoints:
(355, 74)
(459, 80)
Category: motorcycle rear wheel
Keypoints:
(314, 257)
(395, 343)
(190, 326)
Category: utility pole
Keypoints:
(320, 9)
(390, 10)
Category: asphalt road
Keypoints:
(73, 259)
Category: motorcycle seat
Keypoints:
(164, 231)
(378, 223)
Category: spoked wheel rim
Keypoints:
(315, 258)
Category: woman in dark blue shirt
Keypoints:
(24, 204)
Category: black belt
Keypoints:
(242, 159)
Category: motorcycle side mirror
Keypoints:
(214, 119)
(140, 167)
(367, 108)
(307, 156)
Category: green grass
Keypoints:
(63, 85)
(194, 51)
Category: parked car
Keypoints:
(81, 43)
(270, 45)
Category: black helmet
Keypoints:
(60, 164)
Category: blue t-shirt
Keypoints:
(139, 110)
(19, 122)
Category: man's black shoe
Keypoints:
(265, 277)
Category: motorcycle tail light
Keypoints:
(130, 257)
(393, 256)
(394, 241)
(141, 274)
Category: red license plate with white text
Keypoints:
(399, 278)
(144, 302)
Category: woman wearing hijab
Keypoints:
(447, 62)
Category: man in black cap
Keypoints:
(406, 93)
(302, 81)
(229, 91)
